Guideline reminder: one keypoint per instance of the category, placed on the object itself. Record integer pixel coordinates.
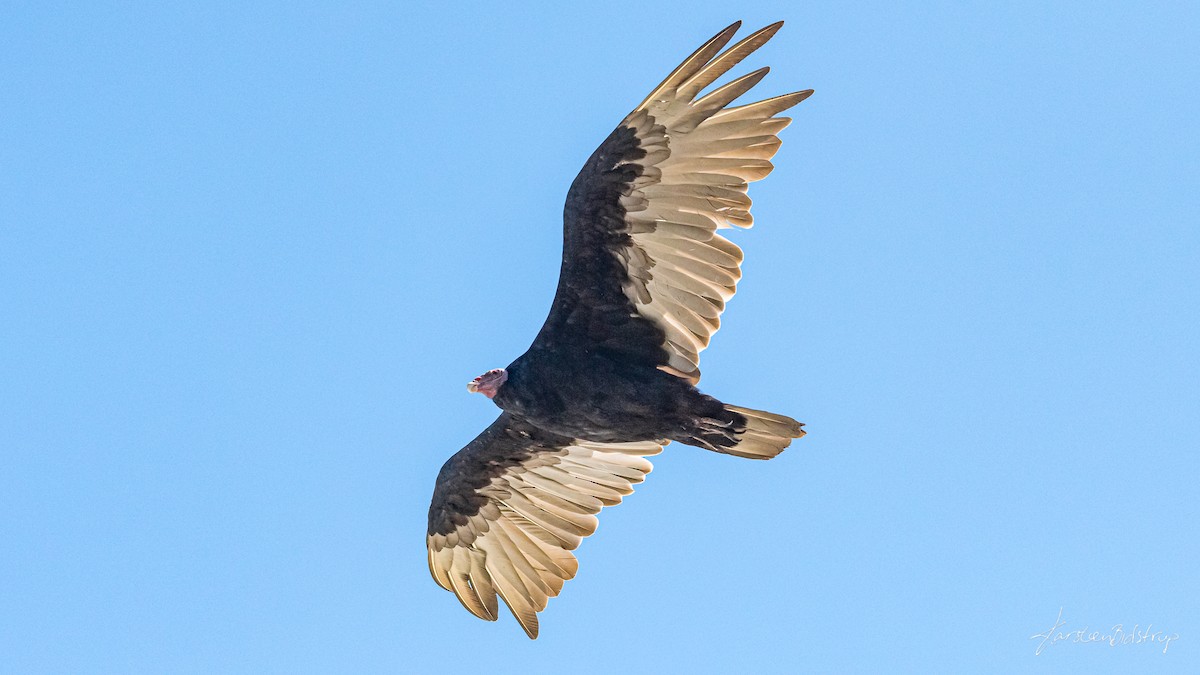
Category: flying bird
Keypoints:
(611, 377)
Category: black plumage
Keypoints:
(611, 376)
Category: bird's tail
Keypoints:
(752, 434)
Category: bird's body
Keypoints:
(598, 398)
(611, 377)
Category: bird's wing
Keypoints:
(509, 508)
(645, 276)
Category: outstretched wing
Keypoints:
(645, 276)
(509, 508)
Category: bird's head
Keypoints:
(488, 383)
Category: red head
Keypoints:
(488, 383)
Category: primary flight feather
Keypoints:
(610, 378)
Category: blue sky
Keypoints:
(250, 256)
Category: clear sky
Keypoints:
(249, 257)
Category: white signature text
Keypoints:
(1115, 636)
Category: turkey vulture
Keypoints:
(611, 378)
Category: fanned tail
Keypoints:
(753, 434)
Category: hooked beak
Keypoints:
(473, 386)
